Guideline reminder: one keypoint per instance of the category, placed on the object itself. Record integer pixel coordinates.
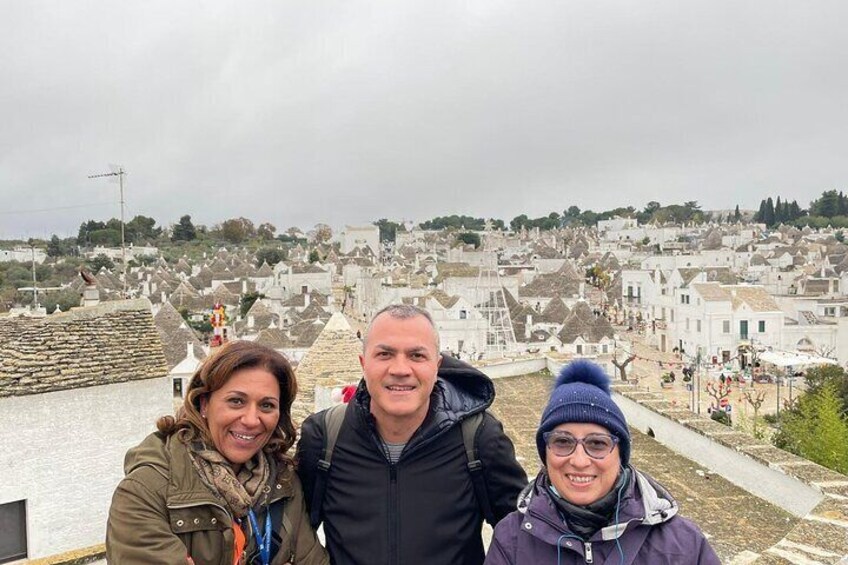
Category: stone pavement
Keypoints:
(646, 370)
(739, 524)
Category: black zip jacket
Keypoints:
(421, 510)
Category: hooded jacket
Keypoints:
(421, 509)
(645, 530)
(162, 512)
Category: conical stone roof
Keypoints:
(333, 360)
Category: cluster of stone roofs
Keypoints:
(559, 289)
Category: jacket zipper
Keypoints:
(394, 527)
(587, 552)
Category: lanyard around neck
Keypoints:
(263, 541)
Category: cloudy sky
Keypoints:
(349, 111)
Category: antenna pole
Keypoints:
(34, 283)
(120, 174)
(123, 242)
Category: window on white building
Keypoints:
(725, 327)
(672, 315)
(13, 535)
(579, 349)
(698, 326)
(687, 324)
(605, 348)
(463, 314)
(761, 326)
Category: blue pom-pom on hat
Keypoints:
(582, 395)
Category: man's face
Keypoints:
(400, 363)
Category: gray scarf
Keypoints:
(586, 520)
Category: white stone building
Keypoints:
(23, 255)
(300, 278)
(76, 391)
(361, 236)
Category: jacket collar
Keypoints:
(460, 391)
(644, 502)
(169, 457)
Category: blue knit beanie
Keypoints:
(582, 395)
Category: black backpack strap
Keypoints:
(470, 430)
(333, 418)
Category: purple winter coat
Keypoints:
(648, 531)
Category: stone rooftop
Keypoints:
(332, 360)
(99, 345)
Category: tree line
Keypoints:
(830, 209)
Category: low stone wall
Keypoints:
(817, 495)
(513, 367)
(76, 557)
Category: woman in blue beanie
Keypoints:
(588, 504)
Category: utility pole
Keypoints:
(118, 171)
(34, 288)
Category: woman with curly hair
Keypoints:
(215, 485)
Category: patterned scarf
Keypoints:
(240, 492)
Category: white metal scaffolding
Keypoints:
(494, 314)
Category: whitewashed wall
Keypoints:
(769, 484)
(63, 453)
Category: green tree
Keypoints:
(16, 275)
(823, 375)
(455, 222)
(313, 256)
(266, 231)
(237, 230)
(768, 212)
(184, 230)
(86, 228)
(828, 205)
(65, 299)
(388, 229)
(737, 215)
(247, 301)
(817, 429)
(270, 255)
(469, 238)
(56, 247)
(519, 222)
(141, 228)
(99, 262)
(106, 237)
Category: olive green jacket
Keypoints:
(163, 513)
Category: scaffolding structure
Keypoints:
(493, 315)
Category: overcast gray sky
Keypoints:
(349, 111)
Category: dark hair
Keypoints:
(215, 371)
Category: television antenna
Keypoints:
(117, 172)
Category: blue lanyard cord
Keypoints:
(264, 542)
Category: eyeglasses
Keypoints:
(596, 446)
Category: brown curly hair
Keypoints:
(213, 373)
